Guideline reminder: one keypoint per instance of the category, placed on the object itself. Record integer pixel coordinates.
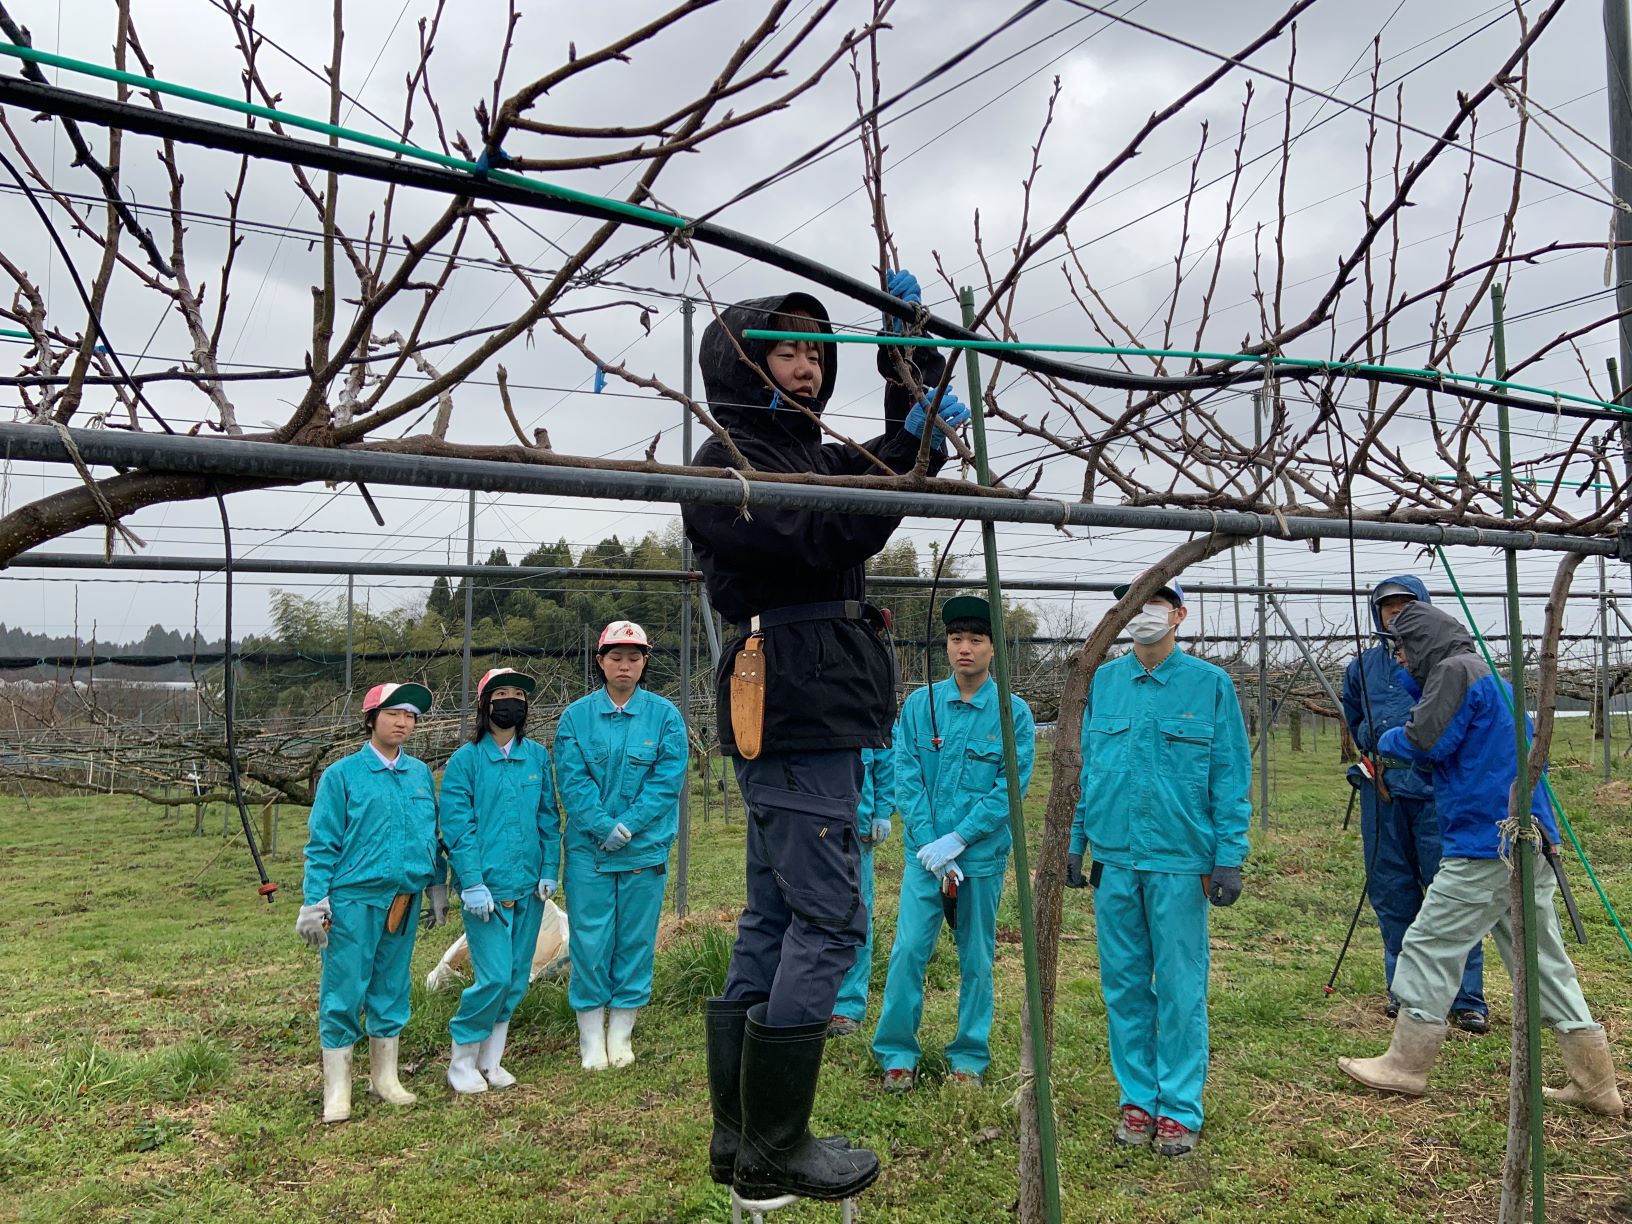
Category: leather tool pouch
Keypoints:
(396, 916)
(748, 698)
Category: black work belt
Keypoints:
(833, 609)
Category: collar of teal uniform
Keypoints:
(609, 707)
(983, 695)
(1163, 671)
(496, 753)
(376, 762)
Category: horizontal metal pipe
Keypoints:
(282, 463)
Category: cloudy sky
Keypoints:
(957, 149)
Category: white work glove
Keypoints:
(312, 924)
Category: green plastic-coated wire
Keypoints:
(289, 119)
(1563, 817)
(1111, 350)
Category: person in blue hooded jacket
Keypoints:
(1166, 773)
(620, 761)
(953, 795)
(503, 836)
(1399, 834)
(873, 829)
(1462, 728)
(371, 848)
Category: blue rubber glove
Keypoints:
(953, 411)
(904, 285)
(938, 855)
(881, 830)
(476, 901)
(1226, 887)
(617, 839)
(546, 889)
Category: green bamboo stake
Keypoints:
(1017, 815)
(1526, 846)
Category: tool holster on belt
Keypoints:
(397, 914)
(748, 698)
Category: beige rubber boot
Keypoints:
(382, 1072)
(336, 1084)
(1592, 1074)
(620, 1024)
(592, 1038)
(1406, 1065)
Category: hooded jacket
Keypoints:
(1461, 726)
(830, 683)
(1374, 700)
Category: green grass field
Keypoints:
(158, 1053)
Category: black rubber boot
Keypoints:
(724, 1021)
(777, 1153)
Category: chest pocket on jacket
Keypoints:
(1107, 743)
(1187, 747)
(636, 767)
(980, 769)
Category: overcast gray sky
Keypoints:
(963, 154)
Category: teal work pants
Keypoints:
(1153, 960)
(501, 957)
(917, 927)
(365, 970)
(612, 934)
(853, 989)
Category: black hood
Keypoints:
(1429, 637)
(737, 394)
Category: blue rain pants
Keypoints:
(501, 956)
(612, 933)
(364, 970)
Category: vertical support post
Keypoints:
(682, 866)
(1606, 685)
(351, 580)
(1263, 641)
(1017, 816)
(1525, 845)
(1618, 63)
(470, 614)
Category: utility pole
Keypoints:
(682, 866)
(470, 610)
(1263, 640)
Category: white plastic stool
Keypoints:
(758, 1209)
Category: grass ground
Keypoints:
(158, 1059)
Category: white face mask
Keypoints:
(1151, 624)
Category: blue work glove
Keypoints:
(953, 411)
(546, 889)
(437, 895)
(477, 901)
(938, 855)
(904, 285)
(1073, 872)
(881, 830)
(617, 839)
(1226, 886)
(312, 924)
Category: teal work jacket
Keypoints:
(627, 768)
(877, 791)
(1166, 771)
(372, 831)
(960, 788)
(499, 819)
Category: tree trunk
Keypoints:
(1294, 725)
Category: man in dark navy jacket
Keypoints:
(1462, 727)
(796, 578)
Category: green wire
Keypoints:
(136, 81)
(1111, 350)
(1563, 818)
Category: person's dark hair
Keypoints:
(370, 719)
(969, 624)
(484, 711)
(798, 323)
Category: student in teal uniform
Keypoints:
(371, 849)
(953, 796)
(873, 827)
(503, 834)
(620, 760)
(1165, 778)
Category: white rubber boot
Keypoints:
(462, 1073)
(1592, 1074)
(382, 1072)
(620, 1024)
(492, 1051)
(592, 1039)
(1404, 1068)
(336, 1084)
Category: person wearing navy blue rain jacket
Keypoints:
(503, 836)
(1166, 773)
(620, 761)
(872, 829)
(1462, 728)
(1399, 835)
(371, 848)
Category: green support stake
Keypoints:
(1017, 815)
(1526, 836)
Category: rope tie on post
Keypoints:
(110, 518)
(1507, 834)
(743, 513)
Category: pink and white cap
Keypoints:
(504, 677)
(410, 696)
(623, 633)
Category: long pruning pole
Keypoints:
(1525, 837)
(1017, 815)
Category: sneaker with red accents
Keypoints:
(842, 1026)
(901, 1079)
(1133, 1127)
(1174, 1138)
(969, 1078)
